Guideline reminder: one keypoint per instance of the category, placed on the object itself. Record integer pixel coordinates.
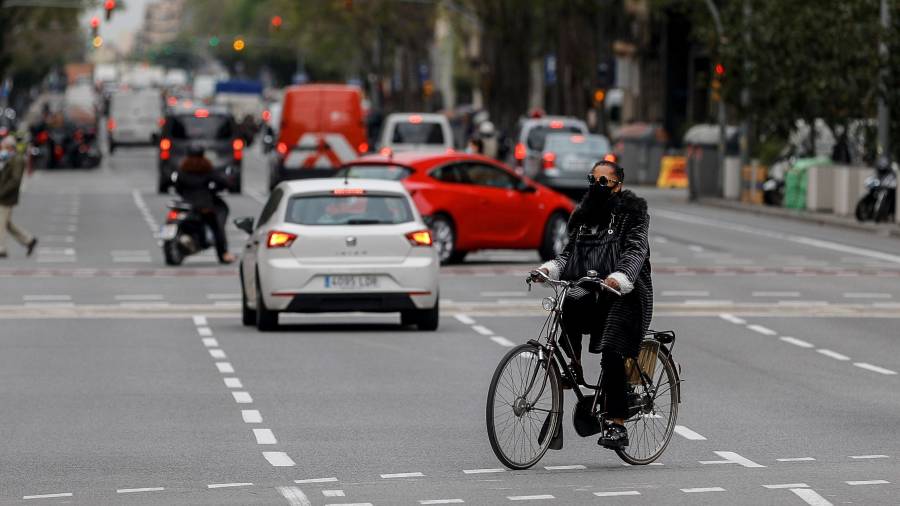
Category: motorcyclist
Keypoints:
(199, 185)
(608, 234)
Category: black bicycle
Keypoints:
(525, 401)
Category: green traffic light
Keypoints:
(213, 41)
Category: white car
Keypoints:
(336, 245)
(134, 117)
(416, 132)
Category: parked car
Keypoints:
(134, 118)
(329, 245)
(212, 129)
(531, 134)
(567, 158)
(322, 127)
(416, 132)
(473, 202)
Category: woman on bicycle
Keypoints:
(608, 234)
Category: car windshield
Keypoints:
(386, 172)
(538, 135)
(192, 127)
(418, 133)
(593, 145)
(349, 210)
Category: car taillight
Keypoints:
(420, 238)
(110, 124)
(520, 152)
(43, 137)
(386, 151)
(201, 113)
(610, 157)
(556, 124)
(164, 155)
(238, 146)
(549, 160)
(282, 148)
(161, 122)
(363, 147)
(266, 115)
(415, 119)
(172, 216)
(165, 144)
(278, 239)
(172, 101)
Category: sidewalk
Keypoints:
(885, 229)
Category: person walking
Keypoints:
(12, 169)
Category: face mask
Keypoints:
(5, 155)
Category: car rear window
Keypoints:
(349, 210)
(580, 144)
(538, 135)
(192, 127)
(385, 172)
(418, 133)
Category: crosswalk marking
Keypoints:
(810, 496)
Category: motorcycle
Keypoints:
(184, 233)
(880, 199)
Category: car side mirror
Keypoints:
(245, 224)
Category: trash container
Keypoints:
(796, 181)
(701, 142)
(640, 147)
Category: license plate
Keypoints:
(168, 231)
(351, 282)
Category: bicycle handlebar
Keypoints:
(539, 276)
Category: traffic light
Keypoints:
(720, 70)
(716, 84)
(238, 44)
(276, 22)
(599, 96)
(97, 42)
(213, 41)
(95, 26)
(109, 5)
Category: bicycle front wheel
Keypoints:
(523, 407)
(650, 428)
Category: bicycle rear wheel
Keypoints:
(523, 407)
(650, 428)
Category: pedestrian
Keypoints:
(12, 169)
(608, 234)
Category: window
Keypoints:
(418, 133)
(538, 134)
(487, 175)
(191, 127)
(449, 174)
(349, 210)
(270, 207)
(385, 172)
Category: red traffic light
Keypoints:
(276, 21)
(95, 22)
(109, 5)
(720, 69)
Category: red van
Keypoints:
(322, 127)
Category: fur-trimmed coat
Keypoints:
(629, 316)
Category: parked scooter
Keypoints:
(879, 202)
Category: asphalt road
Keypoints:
(128, 382)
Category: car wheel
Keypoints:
(865, 209)
(248, 316)
(556, 236)
(172, 252)
(428, 319)
(445, 239)
(266, 320)
(112, 147)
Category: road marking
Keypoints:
(686, 433)
(796, 459)
(732, 458)
(874, 368)
(264, 437)
(695, 248)
(732, 319)
(204, 331)
(617, 494)
(224, 367)
(210, 342)
(233, 383)
(464, 319)
(278, 459)
(530, 497)
(351, 504)
(481, 329)
(49, 304)
(866, 295)
(228, 485)
(502, 341)
(775, 294)
(867, 482)
(483, 471)
(316, 480)
(242, 397)
(564, 468)
(504, 294)
(833, 354)
(135, 490)
(294, 495)
(223, 296)
(251, 416)
(333, 493)
(708, 302)
(787, 485)
(200, 320)
(762, 330)
(139, 297)
(701, 490)
(217, 353)
(46, 298)
(684, 293)
(810, 496)
(797, 342)
(442, 501)
(48, 496)
(869, 457)
(402, 475)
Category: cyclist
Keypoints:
(608, 234)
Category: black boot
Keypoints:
(615, 437)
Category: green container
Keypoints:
(795, 181)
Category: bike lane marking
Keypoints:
(530, 497)
(810, 496)
(617, 494)
(47, 496)
(702, 490)
(294, 495)
(687, 433)
(732, 458)
(867, 482)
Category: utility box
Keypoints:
(701, 142)
(849, 185)
(820, 187)
(640, 147)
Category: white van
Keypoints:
(134, 117)
(416, 132)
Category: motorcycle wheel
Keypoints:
(865, 209)
(172, 252)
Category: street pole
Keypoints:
(745, 90)
(884, 113)
(717, 21)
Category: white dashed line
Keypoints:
(278, 459)
(867, 482)
(686, 433)
(139, 297)
(333, 493)
(810, 497)
(223, 296)
(200, 320)
(797, 459)
(617, 494)
(228, 485)
(402, 475)
(530, 497)
(866, 295)
(204, 331)
(294, 495)
(233, 383)
(47, 496)
(861, 457)
(224, 367)
(874, 368)
(483, 471)
(797, 342)
(732, 319)
(775, 294)
(242, 397)
(442, 501)
(481, 329)
(217, 353)
(136, 490)
(787, 485)
(762, 330)
(833, 354)
(465, 320)
(564, 468)
(702, 489)
(732, 458)
(264, 437)
(317, 480)
(210, 342)
(502, 341)
(251, 416)
(684, 293)
(46, 298)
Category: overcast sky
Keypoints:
(124, 22)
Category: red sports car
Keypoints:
(473, 202)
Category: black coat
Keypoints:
(630, 255)
(198, 184)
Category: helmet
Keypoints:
(195, 151)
